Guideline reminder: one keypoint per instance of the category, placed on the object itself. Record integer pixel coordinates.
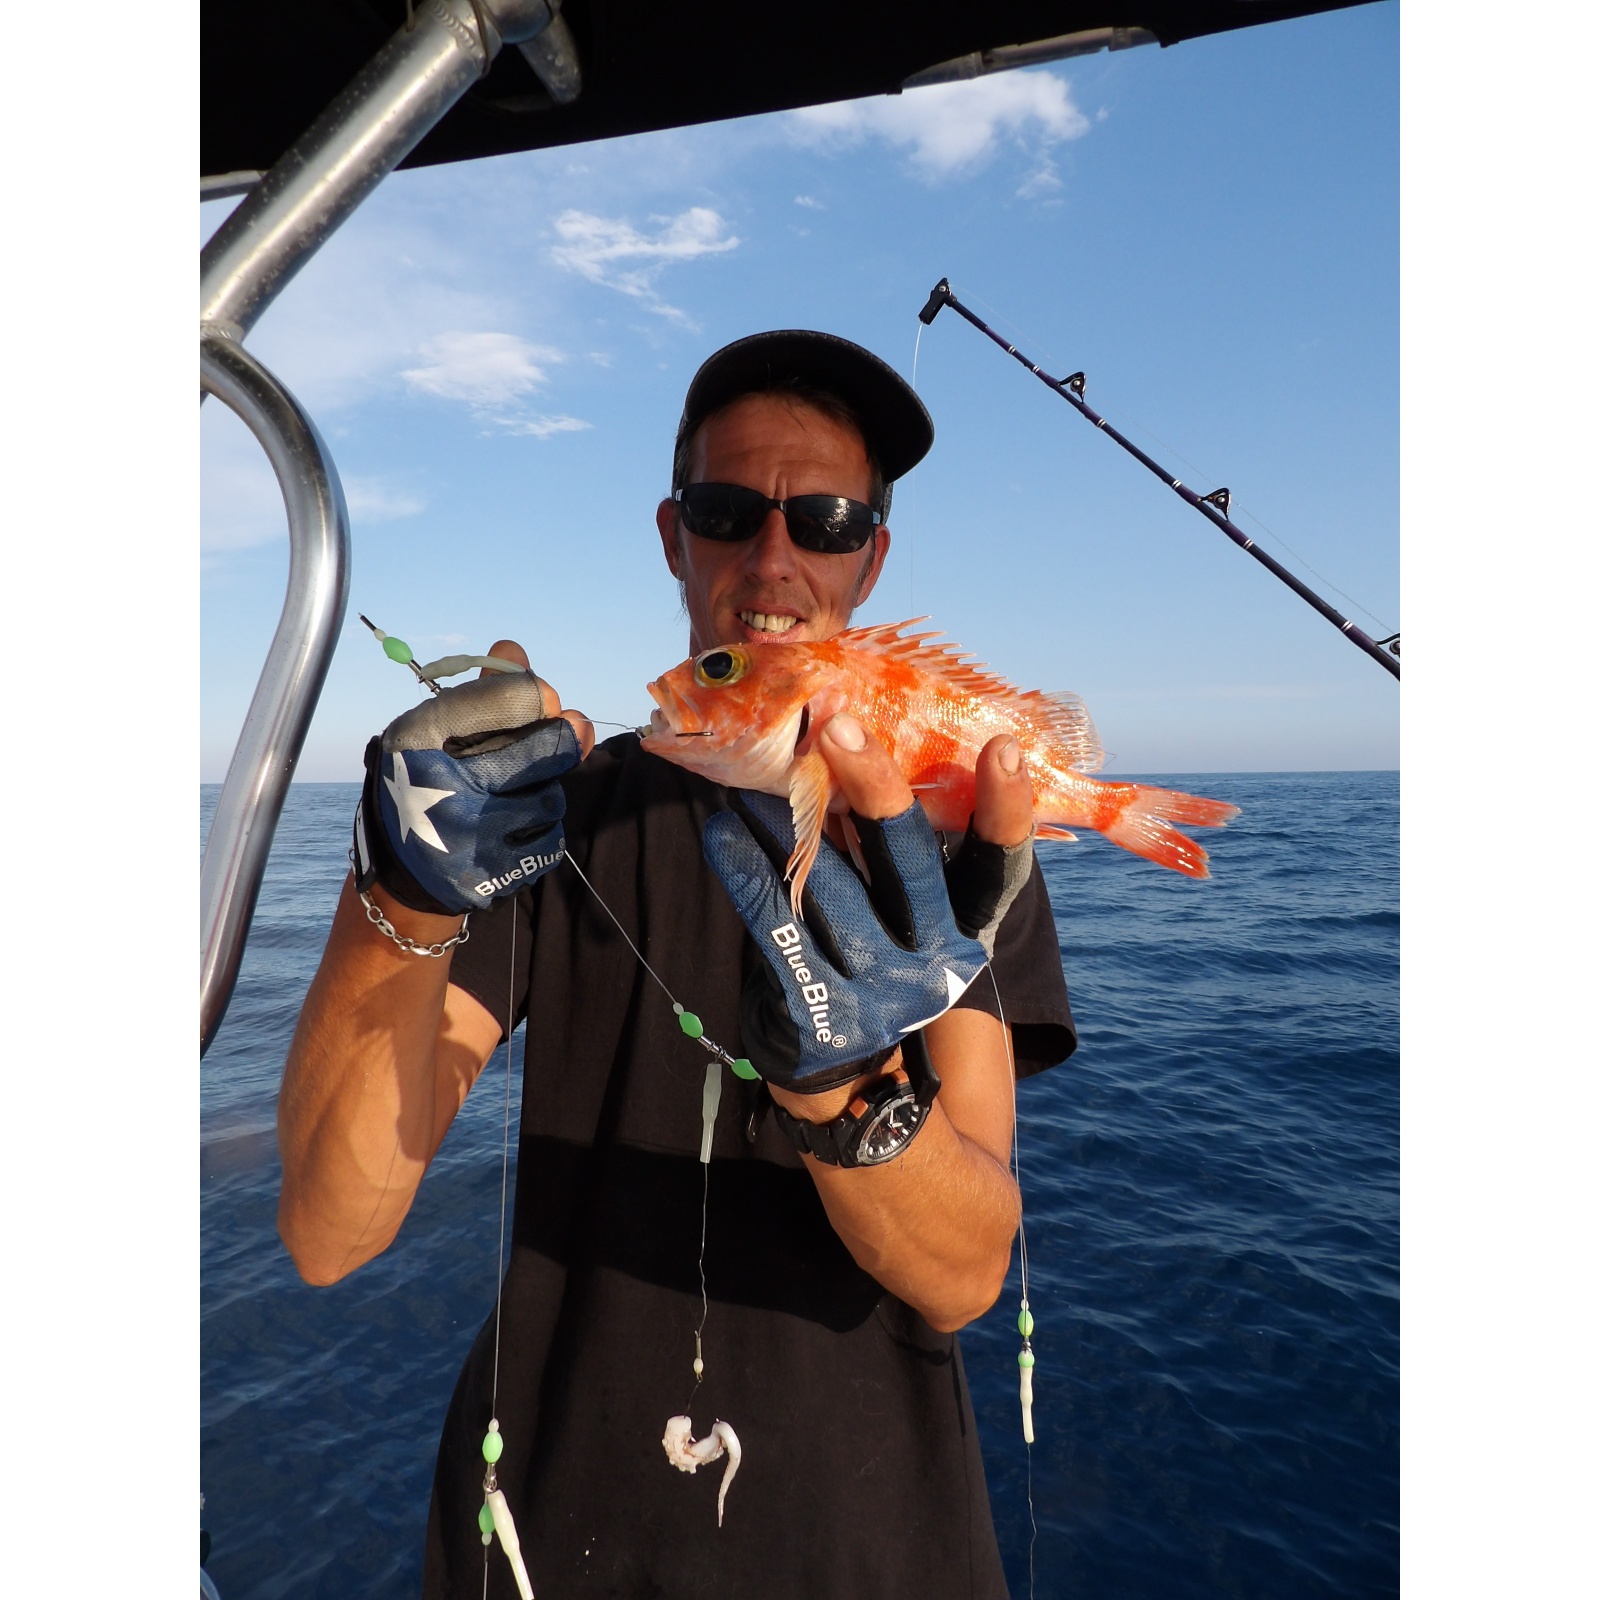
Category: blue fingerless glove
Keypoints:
(461, 803)
(860, 968)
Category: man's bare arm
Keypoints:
(935, 1225)
(382, 1059)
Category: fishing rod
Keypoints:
(1213, 506)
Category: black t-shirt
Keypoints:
(861, 1473)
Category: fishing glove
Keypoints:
(860, 967)
(461, 803)
(983, 880)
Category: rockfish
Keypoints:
(741, 716)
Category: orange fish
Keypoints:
(741, 715)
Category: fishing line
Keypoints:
(1024, 1315)
(705, 1302)
(911, 540)
(495, 1516)
(505, 1163)
(1212, 506)
(710, 1100)
(1133, 422)
(1130, 421)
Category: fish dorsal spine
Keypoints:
(1061, 717)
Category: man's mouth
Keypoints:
(767, 621)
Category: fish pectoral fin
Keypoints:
(852, 841)
(810, 789)
(1048, 830)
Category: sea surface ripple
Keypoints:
(1211, 1211)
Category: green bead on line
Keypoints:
(1025, 1323)
(690, 1023)
(1025, 1359)
(485, 1520)
(743, 1069)
(397, 650)
(493, 1445)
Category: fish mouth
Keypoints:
(674, 715)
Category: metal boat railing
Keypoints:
(291, 681)
(283, 220)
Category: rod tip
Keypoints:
(938, 299)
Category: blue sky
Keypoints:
(497, 353)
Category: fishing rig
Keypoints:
(1213, 507)
(495, 1520)
(682, 1449)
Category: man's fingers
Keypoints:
(510, 650)
(506, 650)
(1003, 813)
(583, 727)
(868, 777)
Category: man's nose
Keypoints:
(771, 552)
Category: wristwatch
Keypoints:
(880, 1121)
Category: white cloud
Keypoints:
(1043, 180)
(373, 500)
(483, 369)
(241, 505)
(809, 203)
(611, 251)
(950, 128)
(542, 427)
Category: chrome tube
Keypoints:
(553, 55)
(376, 121)
(302, 650)
(1007, 56)
(224, 185)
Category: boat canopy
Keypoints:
(269, 68)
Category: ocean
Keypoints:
(1211, 1205)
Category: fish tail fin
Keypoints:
(1143, 826)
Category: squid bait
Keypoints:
(687, 1453)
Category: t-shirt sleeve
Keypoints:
(1025, 985)
(492, 966)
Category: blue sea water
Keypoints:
(1210, 1188)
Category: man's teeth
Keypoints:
(764, 623)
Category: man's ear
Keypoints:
(667, 527)
(869, 573)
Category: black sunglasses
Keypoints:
(730, 513)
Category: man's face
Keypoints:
(747, 593)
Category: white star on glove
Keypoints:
(955, 987)
(413, 802)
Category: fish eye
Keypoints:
(716, 669)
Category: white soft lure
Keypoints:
(687, 1453)
(507, 1529)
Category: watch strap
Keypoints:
(836, 1142)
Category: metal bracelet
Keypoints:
(376, 917)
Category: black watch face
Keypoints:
(888, 1129)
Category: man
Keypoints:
(831, 1287)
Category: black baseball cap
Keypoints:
(896, 424)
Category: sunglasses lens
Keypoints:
(828, 523)
(725, 512)
(728, 512)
